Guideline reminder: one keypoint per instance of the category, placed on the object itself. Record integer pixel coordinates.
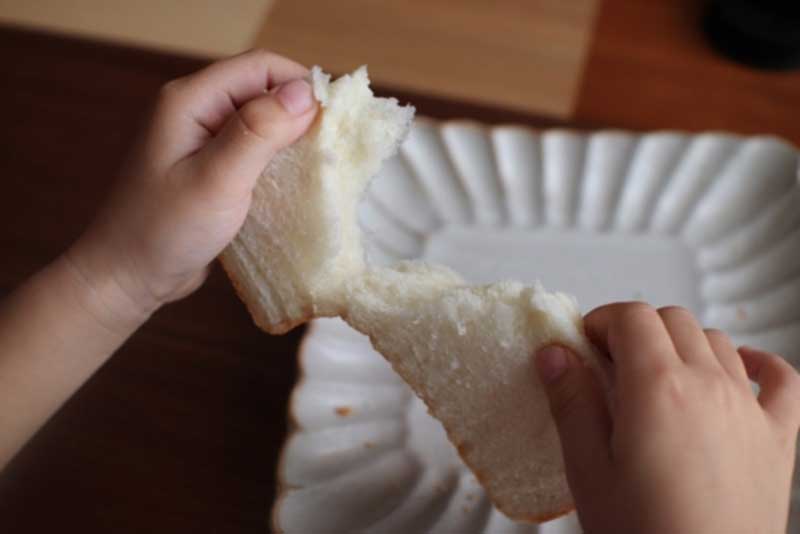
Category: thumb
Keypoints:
(234, 159)
(578, 406)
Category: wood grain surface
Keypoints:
(526, 55)
(521, 54)
(212, 28)
(651, 67)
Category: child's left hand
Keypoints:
(187, 191)
(180, 201)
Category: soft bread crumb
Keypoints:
(320, 82)
(465, 350)
(301, 239)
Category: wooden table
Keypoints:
(180, 431)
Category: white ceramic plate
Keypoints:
(708, 221)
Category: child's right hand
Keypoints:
(686, 446)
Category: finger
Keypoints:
(194, 108)
(687, 336)
(231, 163)
(635, 337)
(222, 87)
(726, 353)
(581, 416)
(778, 381)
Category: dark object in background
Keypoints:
(759, 33)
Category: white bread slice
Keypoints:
(464, 350)
(300, 240)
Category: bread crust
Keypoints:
(252, 306)
(557, 511)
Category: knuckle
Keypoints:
(171, 91)
(209, 175)
(665, 382)
(565, 402)
(795, 385)
(257, 51)
(254, 120)
(717, 388)
(615, 335)
(787, 439)
(674, 311)
(786, 372)
(715, 333)
(633, 313)
(636, 310)
(173, 86)
(264, 54)
(792, 380)
(255, 58)
(718, 339)
(596, 315)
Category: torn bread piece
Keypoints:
(301, 240)
(464, 350)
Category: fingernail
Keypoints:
(295, 97)
(551, 363)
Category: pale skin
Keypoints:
(180, 201)
(677, 441)
(685, 428)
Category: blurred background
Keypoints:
(627, 63)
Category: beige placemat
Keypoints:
(522, 54)
(199, 27)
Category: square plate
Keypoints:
(707, 221)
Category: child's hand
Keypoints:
(687, 447)
(180, 201)
(187, 190)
